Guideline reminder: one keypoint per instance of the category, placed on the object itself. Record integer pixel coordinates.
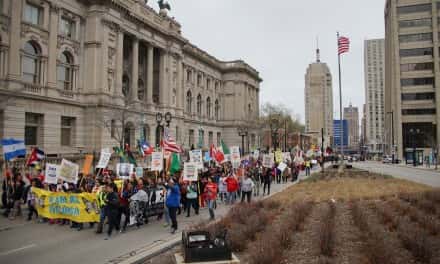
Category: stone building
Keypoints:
(412, 77)
(319, 101)
(351, 114)
(80, 75)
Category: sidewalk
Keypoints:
(422, 167)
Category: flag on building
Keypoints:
(36, 156)
(169, 144)
(13, 148)
(216, 154)
(145, 148)
(225, 148)
(129, 155)
(175, 163)
(343, 45)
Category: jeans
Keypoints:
(113, 222)
(246, 195)
(211, 205)
(194, 203)
(307, 171)
(32, 210)
(166, 212)
(124, 210)
(173, 216)
(231, 197)
(266, 184)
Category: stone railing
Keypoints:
(32, 88)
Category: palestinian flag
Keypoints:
(118, 151)
(175, 163)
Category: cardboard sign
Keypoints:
(106, 154)
(51, 174)
(124, 170)
(282, 166)
(195, 156)
(190, 171)
(287, 157)
(256, 154)
(68, 171)
(87, 164)
(206, 157)
(278, 156)
(139, 172)
(156, 161)
(268, 160)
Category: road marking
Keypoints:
(17, 249)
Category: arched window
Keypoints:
(146, 133)
(208, 107)
(199, 105)
(189, 102)
(65, 71)
(125, 85)
(249, 111)
(217, 110)
(141, 90)
(31, 62)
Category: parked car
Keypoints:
(387, 159)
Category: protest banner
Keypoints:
(190, 172)
(278, 156)
(282, 166)
(77, 207)
(51, 174)
(156, 161)
(286, 156)
(124, 170)
(139, 172)
(195, 156)
(268, 160)
(106, 154)
(68, 171)
(87, 164)
(235, 157)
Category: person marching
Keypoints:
(210, 191)
(112, 209)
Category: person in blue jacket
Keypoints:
(173, 203)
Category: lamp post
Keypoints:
(242, 132)
(160, 127)
(393, 151)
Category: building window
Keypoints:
(419, 135)
(424, 22)
(429, 111)
(417, 81)
(141, 90)
(208, 107)
(216, 86)
(33, 129)
(33, 14)
(67, 130)
(199, 105)
(191, 138)
(201, 142)
(415, 37)
(189, 102)
(210, 138)
(31, 62)
(67, 28)
(426, 66)
(199, 79)
(113, 128)
(146, 133)
(125, 85)
(217, 110)
(188, 75)
(65, 71)
(219, 138)
(414, 9)
(208, 83)
(418, 96)
(416, 52)
(249, 111)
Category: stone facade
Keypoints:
(351, 114)
(80, 75)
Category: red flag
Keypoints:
(216, 154)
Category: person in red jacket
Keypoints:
(210, 192)
(232, 187)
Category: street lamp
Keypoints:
(168, 118)
(414, 132)
(242, 132)
(160, 127)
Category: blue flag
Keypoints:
(13, 148)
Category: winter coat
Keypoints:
(173, 196)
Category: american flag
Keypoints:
(169, 144)
(343, 45)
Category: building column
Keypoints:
(150, 71)
(179, 86)
(53, 39)
(119, 64)
(162, 78)
(135, 70)
(15, 38)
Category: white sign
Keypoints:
(139, 172)
(256, 154)
(51, 174)
(124, 170)
(268, 160)
(195, 156)
(156, 161)
(106, 154)
(282, 166)
(286, 156)
(68, 171)
(190, 172)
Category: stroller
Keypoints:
(138, 206)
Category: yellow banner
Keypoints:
(77, 207)
(278, 156)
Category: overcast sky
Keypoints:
(278, 38)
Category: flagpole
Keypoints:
(340, 103)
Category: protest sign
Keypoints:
(139, 172)
(256, 154)
(190, 171)
(104, 159)
(156, 161)
(286, 156)
(68, 171)
(235, 154)
(51, 174)
(87, 164)
(278, 156)
(195, 156)
(207, 158)
(268, 160)
(282, 166)
(80, 208)
(124, 170)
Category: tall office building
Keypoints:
(351, 114)
(374, 69)
(411, 69)
(364, 138)
(319, 100)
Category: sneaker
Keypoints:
(107, 238)
(165, 225)
(173, 231)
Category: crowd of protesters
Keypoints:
(132, 204)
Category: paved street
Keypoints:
(30, 242)
(428, 177)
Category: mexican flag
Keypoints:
(224, 148)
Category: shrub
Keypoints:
(266, 250)
(427, 206)
(433, 196)
(327, 237)
(416, 241)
